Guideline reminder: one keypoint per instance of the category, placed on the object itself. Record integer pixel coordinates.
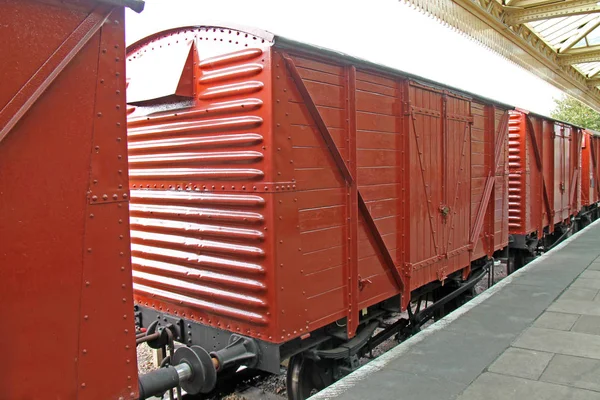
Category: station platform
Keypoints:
(534, 335)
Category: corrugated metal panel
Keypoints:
(517, 136)
(196, 252)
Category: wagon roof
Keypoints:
(286, 43)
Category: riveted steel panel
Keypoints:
(200, 182)
(65, 257)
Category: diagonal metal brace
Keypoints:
(26, 97)
(343, 168)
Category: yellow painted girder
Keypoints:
(483, 20)
(516, 16)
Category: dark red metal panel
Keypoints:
(587, 195)
(202, 185)
(64, 204)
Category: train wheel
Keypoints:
(305, 377)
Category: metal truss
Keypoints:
(547, 37)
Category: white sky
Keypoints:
(387, 32)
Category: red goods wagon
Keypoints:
(544, 185)
(64, 232)
(278, 189)
(590, 171)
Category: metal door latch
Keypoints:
(445, 210)
(363, 282)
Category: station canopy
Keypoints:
(558, 40)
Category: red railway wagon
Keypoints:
(590, 171)
(64, 218)
(284, 198)
(64, 231)
(544, 181)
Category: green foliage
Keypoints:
(570, 110)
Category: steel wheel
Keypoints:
(305, 377)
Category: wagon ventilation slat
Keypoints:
(196, 228)
(197, 126)
(219, 108)
(515, 176)
(196, 213)
(196, 274)
(230, 58)
(196, 249)
(240, 314)
(204, 260)
(197, 142)
(197, 290)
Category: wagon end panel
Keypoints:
(594, 167)
(200, 178)
(586, 177)
(574, 193)
(438, 202)
(561, 166)
(501, 201)
(327, 135)
(481, 140)
(66, 282)
(518, 189)
(488, 131)
(595, 153)
(539, 208)
(550, 178)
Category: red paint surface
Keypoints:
(241, 218)
(544, 173)
(66, 282)
(590, 151)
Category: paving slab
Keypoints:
(582, 307)
(490, 386)
(578, 293)
(555, 320)
(589, 324)
(494, 322)
(591, 274)
(521, 363)
(595, 266)
(587, 283)
(573, 371)
(390, 384)
(449, 355)
(553, 341)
